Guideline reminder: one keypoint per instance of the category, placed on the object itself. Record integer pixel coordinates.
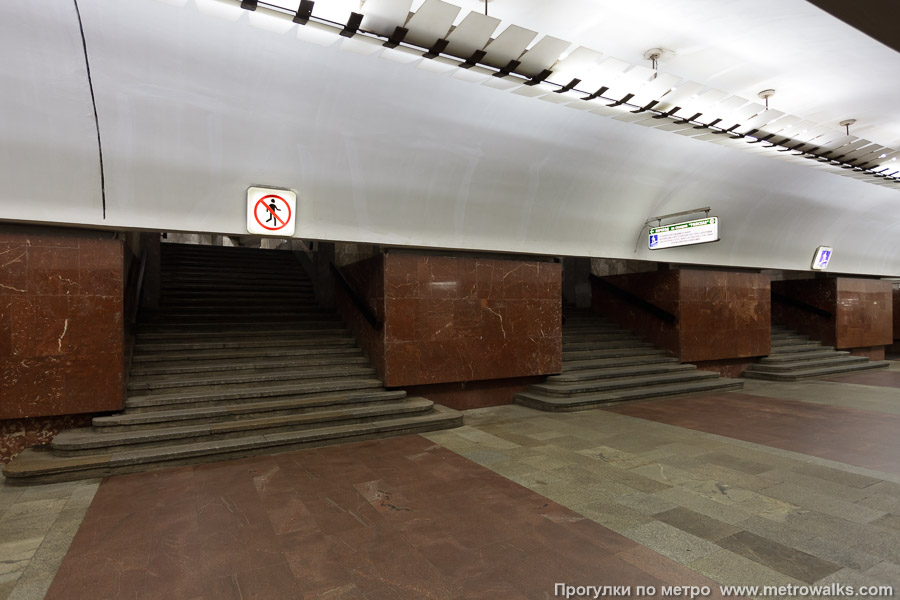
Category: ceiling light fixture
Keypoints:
(653, 55)
(846, 124)
(765, 95)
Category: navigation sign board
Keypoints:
(688, 233)
(271, 211)
(821, 258)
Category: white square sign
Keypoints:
(271, 211)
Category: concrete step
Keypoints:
(174, 383)
(802, 356)
(595, 336)
(249, 353)
(610, 353)
(323, 322)
(793, 342)
(794, 375)
(618, 383)
(799, 365)
(588, 401)
(619, 371)
(625, 361)
(788, 336)
(230, 394)
(195, 285)
(225, 321)
(276, 334)
(247, 365)
(242, 410)
(77, 442)
(261, 300)
(325, 341)
(601, 344)
(796, 348)
(41, 466)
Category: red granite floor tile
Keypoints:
(394, 519)
(876, 378)
(857, 437)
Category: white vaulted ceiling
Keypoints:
(198, 99)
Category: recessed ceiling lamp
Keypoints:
(765, 95)
(846, 124)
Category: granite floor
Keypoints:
(774, 485)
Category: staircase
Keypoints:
(238, 360)
(795, 356)
(603, 365)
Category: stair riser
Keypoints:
(797, 376)
(573, 367)
(149, 404)
(230, 368)
(612, 372)
(612, 387)
(242, 433)
(251, 353)
(789, 367)
(160, 386)
(650, 393)
(235, 414)
(13, 478)
(804, 356)
(324, 342)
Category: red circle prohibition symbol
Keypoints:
(272, 212)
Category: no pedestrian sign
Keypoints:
(271, 211)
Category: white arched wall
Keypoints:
(193, 109)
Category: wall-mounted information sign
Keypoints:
(821, 258)
(271, 211)
(688, 233)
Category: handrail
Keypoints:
(790, 301)
(634, 300)
(135, 305)
(356, 298)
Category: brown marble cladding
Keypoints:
(458, 318)
(367, 277)
(18, 434)
(61, 325)
(862, 312)
(721, 315)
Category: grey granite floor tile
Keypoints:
(808, 498)
(671, 541)
(696, 524)
(778, 557)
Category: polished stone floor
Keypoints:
(773, 485)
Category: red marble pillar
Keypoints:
(861, 310)
(466, 331)
(61, 330)
(723, 317)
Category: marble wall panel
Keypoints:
(864, 315)
(61, 324)
(723, 315)
(461, 318)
